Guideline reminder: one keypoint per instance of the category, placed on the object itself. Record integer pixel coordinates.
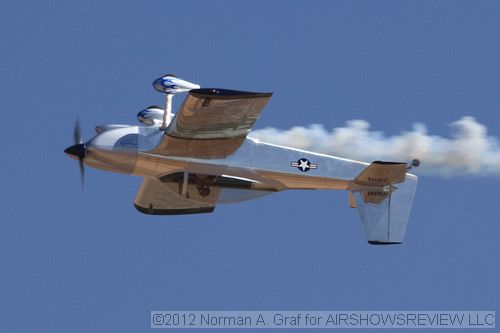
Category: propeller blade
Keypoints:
(77, 133)
(78, 150)
(82, 170)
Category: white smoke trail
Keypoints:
(469, 150)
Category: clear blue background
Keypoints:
(82, 262)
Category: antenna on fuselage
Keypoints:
(170, 85)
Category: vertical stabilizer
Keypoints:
(383, 194)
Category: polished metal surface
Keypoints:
(204, 157)
(167, 198)
(224, 114)
(386, 221)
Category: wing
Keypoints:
(212, 123)
(168, 198)
(174, 194)
(217, 114)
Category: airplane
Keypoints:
(204, 155)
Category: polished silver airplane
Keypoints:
(202, 156)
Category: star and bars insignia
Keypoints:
(304, 165)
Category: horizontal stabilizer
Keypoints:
(382, 173)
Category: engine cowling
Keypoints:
(153, 115)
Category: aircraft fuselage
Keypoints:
(132, 150)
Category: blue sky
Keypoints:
(88, 261)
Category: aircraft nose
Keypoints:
(76, 151)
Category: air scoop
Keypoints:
(169, 84)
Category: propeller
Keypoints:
(78, 150)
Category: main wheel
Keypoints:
(204, 191)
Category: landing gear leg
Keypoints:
(185, 179)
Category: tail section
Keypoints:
(383, 194)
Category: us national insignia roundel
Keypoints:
(304, 165)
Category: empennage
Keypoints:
(383, 194)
